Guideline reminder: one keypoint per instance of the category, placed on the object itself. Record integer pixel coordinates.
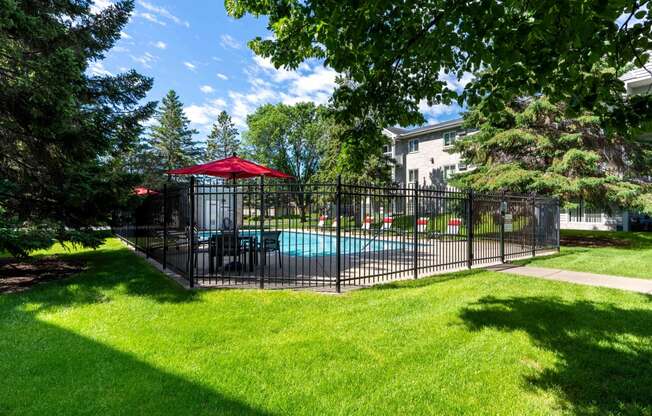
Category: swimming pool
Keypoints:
(302, 244)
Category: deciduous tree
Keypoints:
(400, 54)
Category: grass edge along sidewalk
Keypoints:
(627, 254)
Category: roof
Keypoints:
(637, 74)
(405, 133)
(395, 130)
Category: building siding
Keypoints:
(431, 158)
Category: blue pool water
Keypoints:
(296, 243)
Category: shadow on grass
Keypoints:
(426, 281)
(604, 352)
(107, 270)
(616, 239)
(50, 370)
(66, 373)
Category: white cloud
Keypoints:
(125, 35)
(311, 82)
(119, 49)
(439, 112)
(190, 66)
(161, 12)
(228, 41)
(145, 59)
(630, 15)
(222, 76)
(160, 44)
(150, 17)
(207, 89)
(453, 83)
(206, 113)
(97, 69)
(320, 80)
(278, 75)
(245, 104)
(99, 5)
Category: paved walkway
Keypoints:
(589, 279)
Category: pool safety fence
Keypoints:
(274, 235)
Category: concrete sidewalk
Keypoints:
(589, 279)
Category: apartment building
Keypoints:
(422, 155)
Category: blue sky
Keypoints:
(194, 48)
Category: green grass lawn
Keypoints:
(625, 254)
(120, 338)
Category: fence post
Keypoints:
(263, 255)
(415, 239)
(338, 237)
(469, 229)
(146, 226)
(503, 212)
(165, 225)
(558, 221)
(534, 224)
(191, 234)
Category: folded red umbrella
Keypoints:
(141, 190)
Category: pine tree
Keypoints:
(223, 140)
(531, 146)
(171, 137)
(61, 127)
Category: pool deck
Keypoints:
(357, 269)
(435, 254)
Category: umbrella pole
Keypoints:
(235, 207)
(236, 242)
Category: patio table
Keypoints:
(246, 243)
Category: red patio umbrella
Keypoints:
(231, 168)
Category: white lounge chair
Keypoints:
(387, 223)
(366, 225)
(322, 221)
(422, 224)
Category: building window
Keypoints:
(449, 170)
(413, 145)
(449, 138)
(461, 167)
(413, 175)
(387, 148)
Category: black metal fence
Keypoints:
(332, 235)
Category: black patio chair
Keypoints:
(269, 242)
(222, 245)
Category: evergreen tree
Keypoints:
(171, 137)
(223, 140)
(530, 146)
(62, 128)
